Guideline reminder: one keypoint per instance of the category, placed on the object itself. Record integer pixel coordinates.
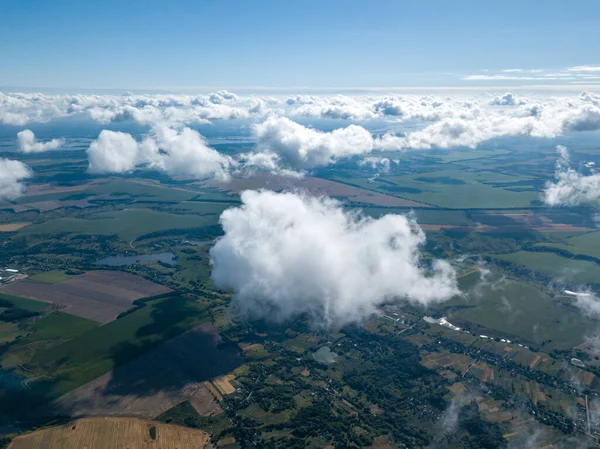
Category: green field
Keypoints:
(101, 349)
(423, 216)
(451, 188)
(587, 244)
(8, 332)
(24, 303)
(563, 269)
(50, 277)
(128, 223)
(58, 325)
(521, 310)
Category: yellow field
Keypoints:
(210, 387)
(12, 227)
(224, 385)
(113, 433)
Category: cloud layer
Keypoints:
(443, 122)
(12, 174)
(285, 254)
(570, 187)
(27, 143)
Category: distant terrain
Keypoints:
(156, 340)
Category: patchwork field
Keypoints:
(113, 433)
(97, 295)
(158, 380)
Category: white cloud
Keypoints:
(588, 303)
(117, 152)
(186, 153)
(28, 143)
(571, 188)
(336, 107)
(285, 254)
(179, 152)
(381, 164)
(302, 148)
(12, 174)
(522, 70)
(499, 78)
(508, 99)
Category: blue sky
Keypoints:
(283, 44)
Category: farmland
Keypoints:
(76, 362)
(127, 224)
(110, 433)
(97, 295)
(519, 310)
(564, 270)
(156, 381)
(449, 189)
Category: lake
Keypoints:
(122, 260)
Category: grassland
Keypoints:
(587, 244)
(50, 277)
(58, 326)
(128, 224)
(563, 269)
(8, 332)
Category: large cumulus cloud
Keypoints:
(302, 147)
(294, 146)
(571, 187)
(27, 143)
(178, 152)
(12, 174)
(285, 254)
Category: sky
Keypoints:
(309, 44)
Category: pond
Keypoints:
(123, 260)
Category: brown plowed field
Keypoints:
(316, 186)
(113, 433)
(96, 295)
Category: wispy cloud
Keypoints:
(584, 68)
(575, 73)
